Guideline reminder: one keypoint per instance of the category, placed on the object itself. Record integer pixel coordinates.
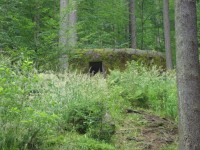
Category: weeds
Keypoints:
(44, 110)
(147, 88)
(34, 107)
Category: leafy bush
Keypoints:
(83, 115)
(146, 87)
(35, 107)
(86, 113)
(80, 101)
(23, 120)
(38, 111)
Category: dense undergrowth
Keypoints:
(76, 111)
(145, 87)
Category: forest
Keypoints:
(99, 75)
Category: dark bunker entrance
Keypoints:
(95, 67)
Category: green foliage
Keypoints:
(29, 30)
(84, 115)
(85, 112)
(72, 141)
(24, 123)
(147, 87)
(75, 111)
(102, 23)
(91, 144)
(171, 147)
(79, 100)
(37, 111)
(33, 107)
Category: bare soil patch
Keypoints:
(142, 130)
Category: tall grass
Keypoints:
(46, 111)
(147, 87)
(37, 108)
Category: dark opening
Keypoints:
(95, 67)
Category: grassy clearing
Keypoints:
(75, 111)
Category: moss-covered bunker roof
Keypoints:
(114, 58)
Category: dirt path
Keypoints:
(144, 131)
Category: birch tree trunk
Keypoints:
(68, 36)
(63, 35)
(188, 75)
(167, 34)
(72, 24)
(132, 24)
(63, 23)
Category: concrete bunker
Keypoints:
(92, 61)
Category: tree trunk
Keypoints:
(36, 34)
(132, 24)
(63, 35)
(72, 24)
(188, 75)
(142, 24)
(63, 23)
(158, 22)
(167, 34)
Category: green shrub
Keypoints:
(35, 107)
(103, 131)
(91, 144)
(89, 117)
(146, 87)
(24, 123)
(38, 110)
(84, 115)
(72, 141)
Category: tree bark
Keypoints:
(68, 36)
(132, 23)
(158, 28)
(142, 24)
(63, 23)
(36, 33)
(167, 35)
(188, 75)
(72, 24)
(63, 40)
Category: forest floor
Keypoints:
(141, 130)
